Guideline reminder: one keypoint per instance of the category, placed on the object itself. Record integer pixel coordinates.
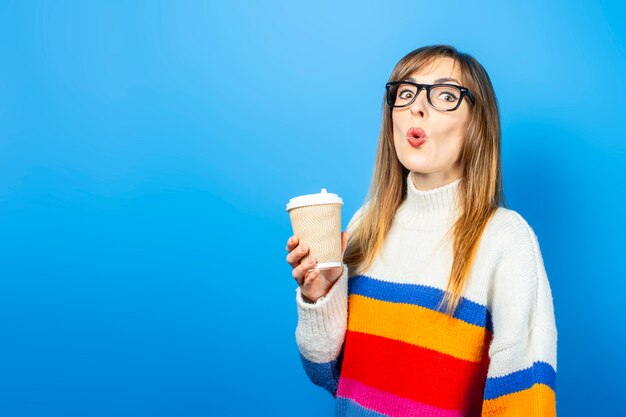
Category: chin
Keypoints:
(419, 163)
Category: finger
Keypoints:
(345, 236)
(296, 255)
(310, 278)
(292, 242)
(297, 278)
(301, 270)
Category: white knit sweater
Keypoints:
(514, 364)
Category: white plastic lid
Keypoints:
(322, 197)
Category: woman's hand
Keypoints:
(316, 283)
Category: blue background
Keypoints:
(148, 149)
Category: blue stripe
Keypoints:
(326, 375)
(345, 407)
(539, 373)
(421, 295)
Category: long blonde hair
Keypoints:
(480, 188)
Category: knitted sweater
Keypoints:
(378, 345)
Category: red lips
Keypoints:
(416, 136)
(416, 132)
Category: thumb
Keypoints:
(344, 241)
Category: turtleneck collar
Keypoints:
(429, 209)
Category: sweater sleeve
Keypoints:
(521, 378)
(321, 330)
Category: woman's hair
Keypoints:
(480, 188)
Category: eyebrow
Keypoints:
(438, 80)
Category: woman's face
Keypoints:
(436, 161)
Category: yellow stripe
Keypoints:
(538, 400)
(418, 326)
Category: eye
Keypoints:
(405, 94)
(448, 96)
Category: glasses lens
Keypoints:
(399, 95)
(445, 97)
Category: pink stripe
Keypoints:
(387, 403)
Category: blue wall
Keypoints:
(148, 149)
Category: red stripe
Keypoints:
(414, 372)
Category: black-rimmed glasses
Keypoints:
(444, 97)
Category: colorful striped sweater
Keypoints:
(378, 345)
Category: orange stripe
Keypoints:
(418, 326)
(538, 400)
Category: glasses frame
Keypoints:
(464, 92)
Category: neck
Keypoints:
(425, 182)
(430, 209)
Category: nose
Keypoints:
(420, 104)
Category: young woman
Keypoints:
(442, 306)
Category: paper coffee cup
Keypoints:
(316, 220)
